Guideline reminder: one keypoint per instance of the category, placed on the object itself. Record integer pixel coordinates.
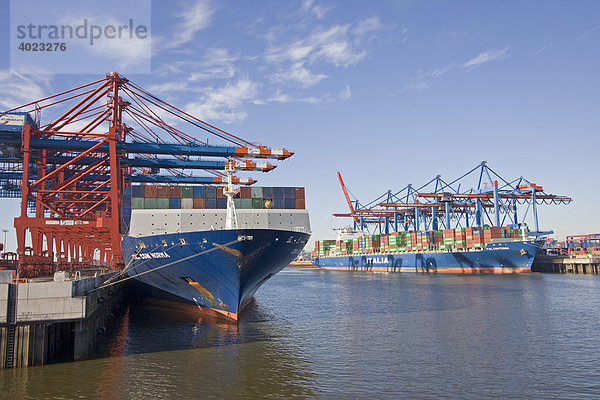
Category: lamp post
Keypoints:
(4, 245)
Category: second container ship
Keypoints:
(462, 250)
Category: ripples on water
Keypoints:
(316, 334)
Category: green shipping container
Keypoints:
(237, 203)
(257, 192)
(162, 202)
(257, 203)
(150, 203)
(245, 204)
(137, 203)
(187, 191)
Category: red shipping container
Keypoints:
(220, 194)
(300, 204)
(162, 191)
(150, 191)
(245, 193)
(174, 192)
(299, 193)
(198, 203)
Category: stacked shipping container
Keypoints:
(411, 241)
(211, 197)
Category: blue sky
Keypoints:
(387, 92)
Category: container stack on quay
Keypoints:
(211, 197)
(412, 241)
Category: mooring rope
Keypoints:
(162, 266)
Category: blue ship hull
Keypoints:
(215, 272)
(505, 257)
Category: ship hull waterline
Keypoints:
(495, 258)
(215, 273)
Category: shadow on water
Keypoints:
(156, 352)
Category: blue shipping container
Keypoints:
(289, 193)
(267, 192)
(174, 203)
(137, 191)
(126, 200)
(278, 192)
(221, 203)
(290, 203)
(210, 203)
(198, 192)
(210, 192)
(127, 191)
(278, 204)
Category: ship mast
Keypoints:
(231, 219)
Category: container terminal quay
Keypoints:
(113, 205)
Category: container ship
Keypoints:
(207, 248)
(461, 250)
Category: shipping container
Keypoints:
(162, 192)
(187, 203)
(187, 192)
(137, 203)
(221, 192)
(174, 192)
(237, 203)
(174, 203)
(127, 191)
(268, 193)
(257, 203)
(290, 203)
(210, 192)
(300, 204)
(245, 193)
(137, 191)
(198, 203)
(299, 193)
(257, 193)
(162, 202)
(221, 203)
(246, 204)
(289, 193)
(210, 203)
(198, 192)
(149, 203)
(127, 200)
(278, 204)
(278, 192)
(150, 191)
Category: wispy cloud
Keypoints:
(485, 57)
(225, 103)
(345, 94)
(280, 97)
(318, 10)
(339, 45)
(424, 80)
(17, 89)
(217, 64)
(191, 20)
(542, 50)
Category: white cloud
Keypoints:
(345, 94)
(339, 45)
(225, 103)
(17, 89)
(280, 97)
(168, 87)
(193, 19)
(217, 64)
(486, 56)
(298, 74)
(318, 10)
(425, 79)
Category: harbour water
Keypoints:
(317, 334)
